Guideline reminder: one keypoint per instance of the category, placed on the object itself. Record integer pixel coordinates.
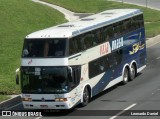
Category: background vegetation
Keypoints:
(151, 17)
(17, 19)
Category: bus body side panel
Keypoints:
(134, 49)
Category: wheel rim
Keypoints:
(133, 72)
(125, 77)
(85, 96)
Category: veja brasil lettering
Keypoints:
(117, 43)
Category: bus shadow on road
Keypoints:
(57, 113)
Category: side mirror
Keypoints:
(17, 79)
(17, 76)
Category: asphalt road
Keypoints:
(149, 3)
(141, 94)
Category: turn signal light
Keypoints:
(27, 99)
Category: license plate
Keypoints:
(44, 106)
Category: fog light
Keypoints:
(60, 99)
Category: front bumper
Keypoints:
(46, 105)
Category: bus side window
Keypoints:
(83, 46)
(93, 68)
(78, 44)
(129, 24)
(110, 61)
(106, 34)
(126, 26)
(75, 45)
(119, 56)
(117, 29)
(98, 36)
(98, 66)
(110, 31)
(140, 20)
(115, 58)
(137, 22)
(71, 47)
(88, 40)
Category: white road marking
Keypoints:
(123, 111)
(158, 58)
(38, 117)
(13, 106)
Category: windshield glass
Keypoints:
(44, 48)
(44, 80)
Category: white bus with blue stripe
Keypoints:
(68, 64)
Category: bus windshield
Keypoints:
(44, 48)
(44, 80)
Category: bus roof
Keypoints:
(82, 25)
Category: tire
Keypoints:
(86, 97)
(132, 73)
(125, 76)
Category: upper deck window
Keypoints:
(44, 48)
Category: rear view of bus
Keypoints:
(68, 64)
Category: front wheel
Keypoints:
(125, 76)
(86, 97)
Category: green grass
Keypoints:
(152, 17)
(3, 97)
(18, 18)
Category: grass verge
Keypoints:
(17, 19)
(151, 17)
(3, 97)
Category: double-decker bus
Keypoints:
(68, 64)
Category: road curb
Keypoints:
(152, 41)
(5, 104)
(69, 15)
(148, 6)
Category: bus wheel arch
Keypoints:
(133, 71)
(86, 95)
(125, 74)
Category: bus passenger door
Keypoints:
(74, 80)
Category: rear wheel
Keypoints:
(125, 76)
(86, 97)
(132, 72)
